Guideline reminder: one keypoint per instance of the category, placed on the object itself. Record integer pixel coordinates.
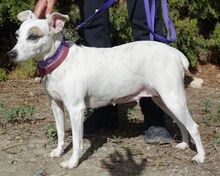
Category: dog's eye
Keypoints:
(33, 37)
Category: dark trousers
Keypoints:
(96, 34)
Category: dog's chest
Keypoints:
(52, 88)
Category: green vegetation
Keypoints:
(211, 113)
(50, 131)
(214, 44)
(131, 114)
(25, 70)
(207, 104)
(88, 112)
(121, 29)
(196, 22)
(211, 118)
(3, 75)
(16, 114)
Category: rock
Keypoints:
(32, 94)
(40, 173)
(197, 83)
(37, 79)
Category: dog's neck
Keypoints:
(54, 58)
(57, 39)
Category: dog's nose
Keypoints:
(12, 54)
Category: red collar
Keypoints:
(50, 64)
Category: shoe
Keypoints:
(157, 135)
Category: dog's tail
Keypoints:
(184, 62)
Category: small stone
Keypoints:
(39, 173)
(37, 79)
(32, 94)
(197, 83)
(13, 162)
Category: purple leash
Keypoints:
(100, 10)
(150, 15)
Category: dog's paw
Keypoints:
(69, 164)
(199, 158)
(56, 153)
(182, 146)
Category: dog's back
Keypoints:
(109, 72)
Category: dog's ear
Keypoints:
(26, 15)
(56, 21)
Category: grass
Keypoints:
(50, 131)
(25, 70)
(16, 114)
(207, 104)
(216, 140)
(3, 75)
(218, 108)
(131, 114)
(210, 118)
(116, 139)
(211, 113)
(88, 112)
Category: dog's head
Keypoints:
(36, 36)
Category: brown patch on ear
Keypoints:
(35, 30)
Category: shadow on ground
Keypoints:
(119, 165)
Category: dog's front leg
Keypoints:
(58, 111)
(76, 117)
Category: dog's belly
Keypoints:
(95, 102)
(135, 97)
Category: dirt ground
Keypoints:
(24, 147)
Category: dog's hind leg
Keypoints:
(175, 101)
(185, 137)
(58, 111)
(76, 117)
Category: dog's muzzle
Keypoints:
(12, 54)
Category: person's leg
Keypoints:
(137, 16)
(96, 34)
(153, 116)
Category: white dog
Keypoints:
(78, 77)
